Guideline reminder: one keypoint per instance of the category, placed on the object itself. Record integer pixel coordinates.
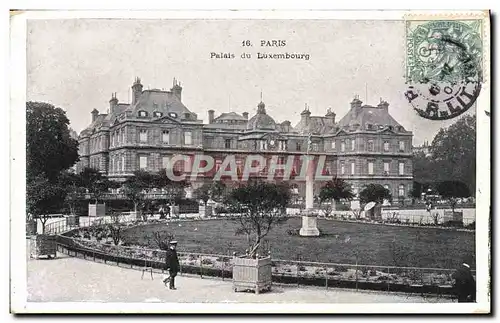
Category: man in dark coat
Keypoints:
(171, 264)
(465, 285)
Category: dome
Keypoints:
(261, 120)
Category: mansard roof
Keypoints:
(158, 100)
(315, 125)
(368, 115)
(230, 116)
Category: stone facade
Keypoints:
(366, 146)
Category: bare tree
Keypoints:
(260, 206)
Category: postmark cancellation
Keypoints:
(444, 66)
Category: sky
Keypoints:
(76, 64)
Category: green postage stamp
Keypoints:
(444, 66)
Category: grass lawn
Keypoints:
(339, 243)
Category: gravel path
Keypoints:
(68, 279)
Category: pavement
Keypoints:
(68, 279)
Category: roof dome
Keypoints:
(261, 120)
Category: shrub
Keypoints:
(207, 261)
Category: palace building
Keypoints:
(365, 146)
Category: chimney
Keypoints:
(304, 116)
(136, 90)
(330, 115)
(285, 125)
(245, 115)
(177, 89)
(383, 105)
(113, 103)
(211, 116)
(94, 114)
(356, 104)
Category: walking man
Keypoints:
(465, 285)
(172, 265)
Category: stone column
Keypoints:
(309, 219)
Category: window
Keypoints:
(401, 146)
(282, 145)
(342, 168)
(164, 162)
(263, 144)
(188, 140)
(123, 163)
(227, 144)
(112, 166)
(297, 146)
(143, 162)
(370, 168)
(353, 167)
(353, 144)
(370, 145)
(386, 146)
(143, 113)
(143, 135)
(401, 168)
(165, 136)
(401, 191)
(157, 114)
(333, 144)
(342, 146)
(315, 147)
(386, 168)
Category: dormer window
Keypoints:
(157, 114)
(143, 113)
(172, 115)
(369, 126)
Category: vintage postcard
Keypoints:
(250, 161)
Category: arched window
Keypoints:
(157, 114)
(142, 113)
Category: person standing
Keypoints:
(171, 264)
(465, 285)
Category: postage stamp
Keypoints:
(444, 66)
(206, 161)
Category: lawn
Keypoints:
(339, 243)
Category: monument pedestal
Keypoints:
(309, 226)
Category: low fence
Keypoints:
(430, 281)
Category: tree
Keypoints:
(260, 206)
(43, 199)
(72, 183)
(172, 189)
(49, 147)
(334, 190)
(161, 239)
(213, 190)
(134, 188)
(454, 152)
(452, 190)
(374, 193)
(95, 183)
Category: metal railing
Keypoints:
(433, 281)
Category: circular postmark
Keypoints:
(443, 67)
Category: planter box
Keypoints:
(97, 209)
(252, 274)
(43, 245)
(73, 221)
